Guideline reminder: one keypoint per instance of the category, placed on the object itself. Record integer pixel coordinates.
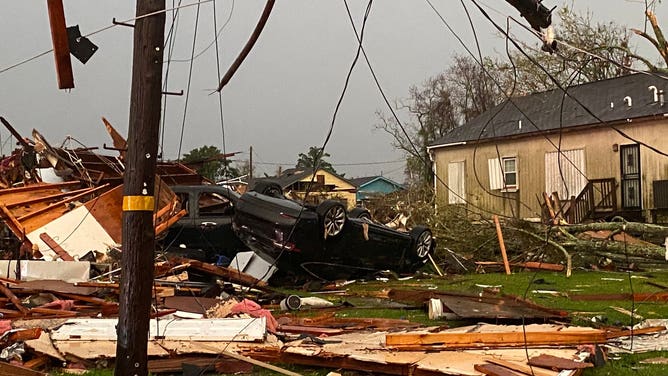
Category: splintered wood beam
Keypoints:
(55, 247)
(164, 226)
(520, 367)
(502, 244)
(65, 201)
(494, 370)
(16, 301)
(16, 370)
(61, 47)
(510, 339)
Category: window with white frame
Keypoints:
(503, 173)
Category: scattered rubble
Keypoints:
(59, 288)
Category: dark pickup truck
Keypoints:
(205, 233)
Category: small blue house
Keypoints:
(374, 186)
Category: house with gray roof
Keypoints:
(599, 147)
(320, 185)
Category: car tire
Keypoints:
(422, 243)
(268, 188)
(360, 213)
(332, 216)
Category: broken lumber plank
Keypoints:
(635, 332)
(550, 209)
(556, 363)
(625, 311)
(16, 370)
(37, 362)
(637, 297)
(16, 335)
(494, 370)
(56, 247)
(252, 361)
(53, 312)
(232, 275)
(162, 227)
(16, 301)
(520, 367)
(311, 330)
(499, 234)
(497, 339)
(527, 265)
(220, 364)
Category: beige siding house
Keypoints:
(600, 149)
(321, 185)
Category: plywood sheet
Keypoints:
(230, 329)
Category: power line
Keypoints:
(417, 153)
(3, 70)
(560, 87)
(190, 75)
(215, 37)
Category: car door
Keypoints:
(214, 224)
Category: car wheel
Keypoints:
(268, 188)
(423, 242)
(332, 217)
(360, 213)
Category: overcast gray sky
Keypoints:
(282, 99)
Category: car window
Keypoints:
(213, 204)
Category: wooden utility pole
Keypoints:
(138, 190)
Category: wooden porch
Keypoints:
(597, 200)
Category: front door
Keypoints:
(630, 168)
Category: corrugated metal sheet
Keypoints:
(456, 177)
(565, 172)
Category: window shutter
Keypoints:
(456, 175)
(495, 174)
(565, 172)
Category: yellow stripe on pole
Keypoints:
(138, 203)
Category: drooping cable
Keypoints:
(190, 74)
(220, 94)
(171, 41)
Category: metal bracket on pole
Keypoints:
(177, 93)
(113, 21)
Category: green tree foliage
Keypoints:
(466, 89)
(207, 161)
(315, 157)
(573, 63)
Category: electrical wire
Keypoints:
(560, 87)
(415, 153)
(216, 35)
(3, 70)
(220, 94)
(190, 75)
(171, 41)
(326, 141)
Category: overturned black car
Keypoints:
(325, 239)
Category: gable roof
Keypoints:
(293, 175)
(361, 182)
(545, 112)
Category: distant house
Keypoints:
(373, 186)
(600, 163)
(326, 185)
